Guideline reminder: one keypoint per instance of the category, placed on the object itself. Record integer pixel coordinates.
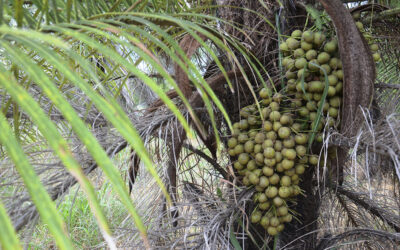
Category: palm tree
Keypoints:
(82, 81)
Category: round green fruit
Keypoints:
(267, 171)
(300, 63)
(271, 192)
(256, 217)
(319, 39)
(311, 54)
(297, 34)
(323, 58)
(292, 43)
(308, 36)
(278, 201)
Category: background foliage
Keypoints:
(87, 88)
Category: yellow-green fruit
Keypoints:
(259, 158)
(319, 39)
(298, 53)
(278, 201)
(300, 168)
(272, 231)
(326, 69)
(374, 47)
(287, 164)
(290, 154)
(243, 124)
(300, 63)
(302, 73)
(301, 150)
(289, 142)
(264, 222)
(239, 149)
(252, 133)
(267, 171)
(278, 156)
(264, 205)
(278, 145)
(323, 58)
(282, 211)
(296, 127)
(315, 87)
(274, 221)
(257, 148)
(313, 159)
(252, 120)
(232, 142)
(242, 138)
(256, 217)
(339, 74)
(288, 218)
(292, 43)
(271, 192)
(267, 143)
(280, 228)
(312, 65)
(286, 120)
(269, 162)
(339, 87)
(251, 165)
(360, 26)
(231, 152)
(285, 61)
(272, 135)
(284, 132)
(274, 179)
(243, 158)
(276, 126)
(335, 102)
(303, 111)
(264, 182)
(274, 106)
(265, 93)
(269, 152)
(334, 63)
(306, 46)
(333, 112)
(297, 34)
(238, 166)
(284, 192)
(285, 181)
(284, 47)
(311, 54)
(253, 178)
(330, 47)
(249, 146)
(290, 75)
(277, 97)
(246, 181)
(259, 138)
(275, 116)
(376, 56)
(267, 126)
(317, 96)
(308, 36)
(331, 91)
(301, 139)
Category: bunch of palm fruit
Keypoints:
(271, 155)
(271, 142)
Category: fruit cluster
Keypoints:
(314, 78)
(272, 155)
(271, 142)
